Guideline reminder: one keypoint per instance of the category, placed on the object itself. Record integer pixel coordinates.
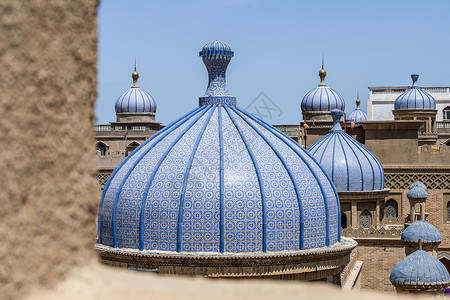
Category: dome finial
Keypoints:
(358, 102)
(414, 78)
(322, 74)
(336, 114)
(135, 75)
(216, 56)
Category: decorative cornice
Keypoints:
(346, 244)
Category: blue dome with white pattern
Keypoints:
(421, 230)
(351, 166)
(218, 179)
(421, 270)
(415, 98)
(322, 98)
(135, 100)
(357, 115)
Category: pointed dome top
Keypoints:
(357, 115)
(322, 98)
(415, 97)
(135, 100)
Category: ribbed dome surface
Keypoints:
(216, 47)
(418, 184)
(219, 180)
(415, 98)
(357, 115)
(135, 100)
(417, 192)
(351, 166)
(419, 269)
(421, 230)
(322, 98)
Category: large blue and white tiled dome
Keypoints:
(219, 179)
(421, 230)
(135, 100)
(322, 98)
(415, 98)
(420, 270)
(351, 166)
(357, 115)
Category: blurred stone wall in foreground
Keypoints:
(48, 197)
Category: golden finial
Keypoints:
(135, 75)
(322, 74)
(358, 102)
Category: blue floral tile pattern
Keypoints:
(219, 180)
(351, 166)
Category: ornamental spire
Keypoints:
(216, 56)
(414, 78)
(336, 114)
(358, 102)
(135, 76)
(322, 75)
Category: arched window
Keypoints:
(446, 113)
(448, 212)
(131, 146)
(391, 208)
(365, 219)
(343, 220)
(102, 147)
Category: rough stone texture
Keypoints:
(49, 196)
(96, 282)
(380, 257)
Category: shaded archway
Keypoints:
(391, 209)
(102, 147)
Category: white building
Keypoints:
(381, 101)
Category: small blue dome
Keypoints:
(421, 230)
(135, 100)
(219, 179)
(417, 193)
(357, 115)
(419, 184)
(419, 269)
(322, 98)
(351, 166)
(216, 47)
(415, 98)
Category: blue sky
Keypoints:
(278, 48)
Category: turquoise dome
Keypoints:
(421, 230)
(351, 166)
(420, 270)
(218, 179)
